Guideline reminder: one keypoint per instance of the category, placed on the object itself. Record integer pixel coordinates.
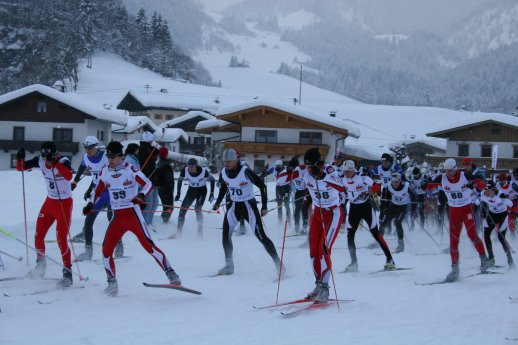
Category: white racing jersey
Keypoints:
(240, 188)
(123, 184)
(496, 204)
(196, 181)
(458, 193)
(400, 197)
(322, 192)
(57, 186)
(298, 183)
(358, 188)
(95, 168)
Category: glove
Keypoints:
(88, 209)
(211, 197)
(20, 155)
(470, 185)
(73, 185)
(88, 193)
(177, 197)
(215, 207)
(140, 200)
(264, 211)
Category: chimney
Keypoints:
(58, 85)
(332, 113)
(163, 90)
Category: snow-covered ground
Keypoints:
(388, 308)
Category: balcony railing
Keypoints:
(35, 146)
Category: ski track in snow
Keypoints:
(388, 307)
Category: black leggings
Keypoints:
(494, 219)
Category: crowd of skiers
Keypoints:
(130, 185)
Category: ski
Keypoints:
(172, 286)
(484, 273)
(314, 305)
(57, 288)
(511, 339)
(298, 301)
(396, 269)
(433, 283)
(26, 278)
(513, 298)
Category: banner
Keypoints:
(494, 156)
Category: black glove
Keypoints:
(88, 193)
(73, 185)
(20, 155)
(140, 200)
(483, 212)
(211, 197)
(215, 207)
(177, 197)
(88, 209)
(470, 185)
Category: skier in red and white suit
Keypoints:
(457, 186)
(123, 181)
(324, 185)
(57, 173)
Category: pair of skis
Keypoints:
(447, 282)
(307, 305)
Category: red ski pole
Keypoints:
(25, 214)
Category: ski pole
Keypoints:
(5, 232)
(25, 212)
(282, 257)
(276, 207)
(19, 258)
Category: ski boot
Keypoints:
(173, 277)
(484, 264)
(453, 276)
(228, 269)
(400, 246)
(66, 281)
(112, 289)
(39, 270)
(80, 237)
(352, 267)
(389, 265)
(316, 291)
(491, 262)
(119, 250)
(510, 260)
(323, 294)
(87, 254)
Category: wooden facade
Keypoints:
(489, 131)
(271, 149)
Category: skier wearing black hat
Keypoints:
(57, 173)
(197, 177)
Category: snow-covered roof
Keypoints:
(211, 123)
(190, 115)
(301, 111)
(170, 135)
(439, 144)
(366, 152)
(134, 124)
(473, 119)
(71, 99)
(176, 100)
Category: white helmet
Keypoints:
(450, 164)
(90, 141)
(279, 163)
(229, 155)
(349, 166)
(148, 136)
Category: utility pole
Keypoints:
(300, 85)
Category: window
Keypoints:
(495, 130)
(42, 107)
(515, 151)
(169, 117)
(198, 140)
(18, 133)
(258, 165)
(13, 160)
(463, 150)
(158, 116)
(100, 135)
(262, 136)
(310, 138)
(485, 150)
(62, 135)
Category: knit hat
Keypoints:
(163, 152)
(114, 148)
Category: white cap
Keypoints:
(349, 166)
(148, 136)
(230, 155)
(90, 141)
(450, 164)
(279, 163)
(395, 176)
